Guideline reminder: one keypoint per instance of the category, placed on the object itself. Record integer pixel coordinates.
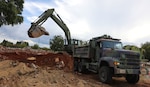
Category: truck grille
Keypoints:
(130, 61)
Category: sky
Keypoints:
(128, 20)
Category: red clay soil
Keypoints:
(44, 76)
(43, 58)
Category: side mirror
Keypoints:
(100, 45)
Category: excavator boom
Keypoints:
(36, 30)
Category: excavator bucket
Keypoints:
(37, 31)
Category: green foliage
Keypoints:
(35, 46)
(135, 48)
(132, 47)
(146, 47)
(7, 43)
(21, 44)
(45, 48)
(57, 43)
(11, 12)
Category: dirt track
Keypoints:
(17, 71)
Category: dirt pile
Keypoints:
(27, 67)
(38, 68)
(18, 74)
(41, 57)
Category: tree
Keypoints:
(7, 43)
(142, 53)
(11, 12)
(22, 44)
(132, 47)
(35, 46)
(135, 48)
(57, 43)
(45, 48)
(146, 47)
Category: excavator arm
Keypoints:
(36, 30)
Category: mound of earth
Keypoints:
(38, 68)
(38, 57)
(18, 74)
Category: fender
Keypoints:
(106, 61)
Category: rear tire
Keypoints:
(75, 65)
(105, 74)
(132, 78)
(81, 67)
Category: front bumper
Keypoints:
(127, 71)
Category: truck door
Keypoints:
(98, 51)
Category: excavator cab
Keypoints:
(69, 47)
(74, 42)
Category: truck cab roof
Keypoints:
(105, 39)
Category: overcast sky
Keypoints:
(128, 20)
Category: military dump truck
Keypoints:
(107, 58)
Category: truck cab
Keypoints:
(107, 58)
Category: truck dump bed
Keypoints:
(82, 52)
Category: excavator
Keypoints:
(36, 30)
(103, 56)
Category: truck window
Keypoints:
(112, 44)
(118, 46)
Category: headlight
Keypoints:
(116, 63)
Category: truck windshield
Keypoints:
(112, 44)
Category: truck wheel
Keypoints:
(105, 74)
(75, 65)
(81, 67)
(132, 78)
